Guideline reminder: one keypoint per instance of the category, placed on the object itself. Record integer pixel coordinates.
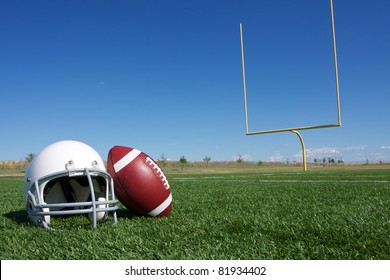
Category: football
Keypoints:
(139, 182)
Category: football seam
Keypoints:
(159, 172)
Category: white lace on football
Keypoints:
(159, 171)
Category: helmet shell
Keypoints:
(68, 177)
(61, 156)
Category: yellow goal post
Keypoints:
(295, 129)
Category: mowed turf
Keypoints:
(313, 215)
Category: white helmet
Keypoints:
(68, 177)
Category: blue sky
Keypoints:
(165, 77)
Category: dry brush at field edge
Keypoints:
(17, 168)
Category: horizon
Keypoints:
(324, 161)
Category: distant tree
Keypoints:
(29, 157)
(207, 159)
(162, 160)
(240, 159)
(183, 160)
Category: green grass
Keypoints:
(323, 214)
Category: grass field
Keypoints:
(327, 213)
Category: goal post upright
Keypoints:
(294, 129)
(244, 80)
